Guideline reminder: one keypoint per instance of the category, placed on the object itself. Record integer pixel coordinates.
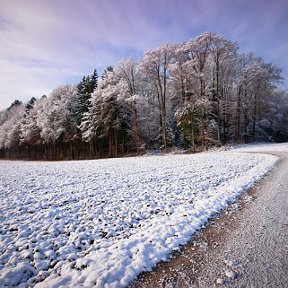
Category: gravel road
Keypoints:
(246, 246)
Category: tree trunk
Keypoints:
(203, 114)
(218, 103)
(238, 111)
(115, 143)
(192, 132)
(255, 110)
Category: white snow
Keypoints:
(230, 274)
(101, 223)
(220, 281)
(263, 147)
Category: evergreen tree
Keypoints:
(109, 117)
(29, 105)
(14, 104)
(106, 72)
(84, 91)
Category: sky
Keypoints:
(47, 43)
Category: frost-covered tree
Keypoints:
(255, 83)
(129, 73)
(10, 128)
(197, 52)
(57, 121)
(223, 56)
(276, 120)
(107, 71)
(84, 91)
(29, 130)
(109, 117)
(186, 117)
(29, 105)
(155, 65)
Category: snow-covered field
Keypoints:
(101, 223)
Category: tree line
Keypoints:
(192, 95)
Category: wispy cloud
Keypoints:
(49, 42)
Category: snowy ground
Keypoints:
(280, 147)
(101, 223)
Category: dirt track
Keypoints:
(247, 246)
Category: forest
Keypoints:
(194, 95)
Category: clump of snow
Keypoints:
(229, 263)
(230, 274)
(17, 275)
(220, 281)
(101, 223)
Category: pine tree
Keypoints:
(84, 91)
(29, 105)
(106, 72)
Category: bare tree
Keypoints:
(155, 65)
